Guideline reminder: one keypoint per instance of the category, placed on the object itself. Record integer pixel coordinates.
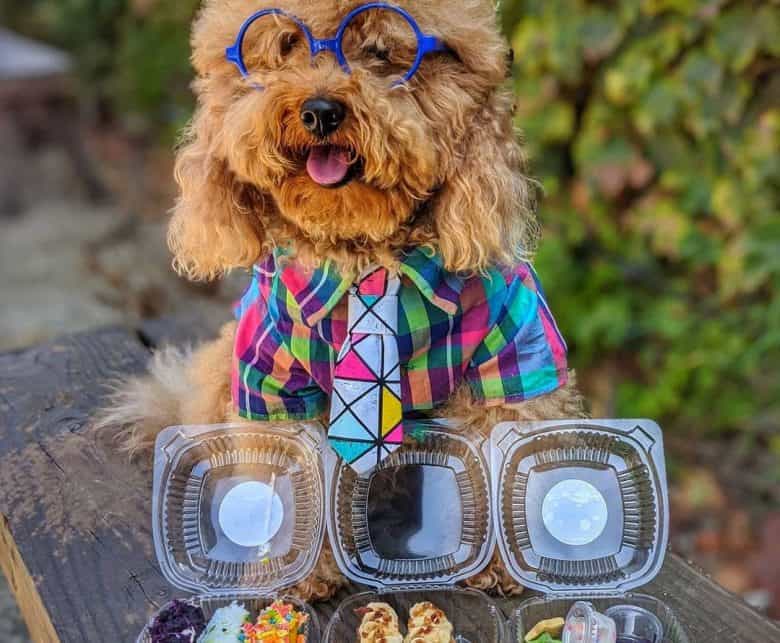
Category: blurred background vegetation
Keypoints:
(654, 129)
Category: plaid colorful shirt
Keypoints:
(492, 331)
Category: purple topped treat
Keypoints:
(179, 622)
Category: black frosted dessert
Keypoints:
(179, 622)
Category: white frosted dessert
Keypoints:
(379, 624)
(428, 624)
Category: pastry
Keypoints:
(226, 626)
(428, 624)
(279, 623)
(379, 625)
(179, 622)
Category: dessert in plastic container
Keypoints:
(582, 515)
(210, 604)
(634, 624)
(539, 608)
(238, 513)
(475, 618)
(413, 527)
(585, 624)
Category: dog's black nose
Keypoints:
(322, 116)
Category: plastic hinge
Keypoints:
(419, 587)
(574, 595)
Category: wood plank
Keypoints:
(75, 537)
(181, 330)
(707, 611)
(77, 512)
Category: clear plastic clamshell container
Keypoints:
(412, 528)
(582, 511)
(533, 610)
(238, 513)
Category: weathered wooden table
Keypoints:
(75, 536)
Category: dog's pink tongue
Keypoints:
(327, 164)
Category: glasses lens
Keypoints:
(272, 42)
(382, 42)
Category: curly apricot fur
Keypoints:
(440, 162)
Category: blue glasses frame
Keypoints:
(426, 43)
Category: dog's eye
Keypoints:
(288, 43)
(378, 53)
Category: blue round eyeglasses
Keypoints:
(426, 43)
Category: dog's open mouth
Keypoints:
(331, 165)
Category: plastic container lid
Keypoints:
(421, 519)
(581, 506)
(238, 509)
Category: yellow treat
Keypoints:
(552, 626)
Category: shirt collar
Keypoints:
(318, 291)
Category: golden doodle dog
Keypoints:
(336, 139)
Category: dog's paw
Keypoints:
(495, 579)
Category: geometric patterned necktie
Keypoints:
(366, 417)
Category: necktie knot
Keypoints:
(373, 304)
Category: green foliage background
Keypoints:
(654, 128)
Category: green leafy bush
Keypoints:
(654, 127)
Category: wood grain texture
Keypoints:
(708, 612)
(77, 512)
(75, 535)
(191, 329)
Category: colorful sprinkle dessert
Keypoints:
(226, 626)
(180, 622)
(279, 623)
(379, 625)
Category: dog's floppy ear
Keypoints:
(218, 221)
(484, 212)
